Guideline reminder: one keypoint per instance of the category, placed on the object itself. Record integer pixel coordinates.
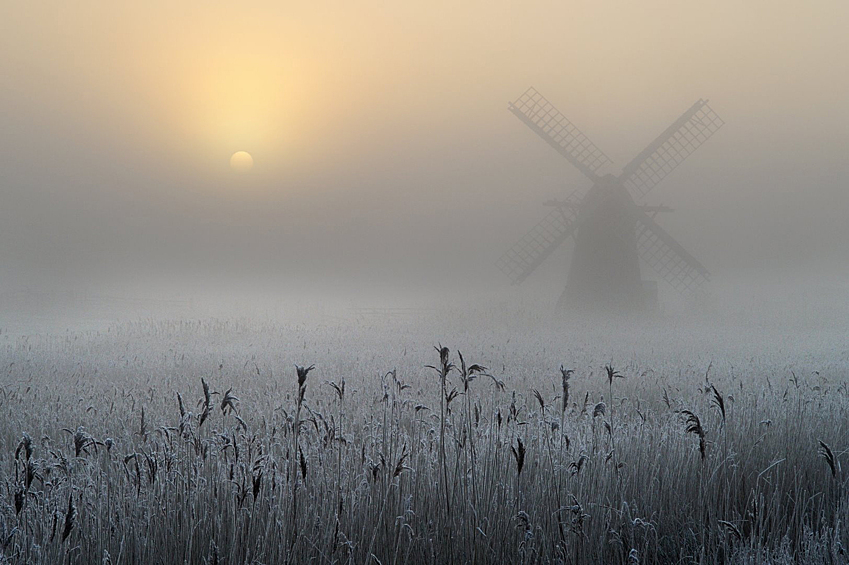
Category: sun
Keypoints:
(241, 161)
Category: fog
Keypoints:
(386, 163)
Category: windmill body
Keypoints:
(605, 266)
(612, 232)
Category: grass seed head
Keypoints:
(70, 518)
(694, 426)
(826, 453)
(519, 455)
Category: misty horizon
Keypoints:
(390, 157)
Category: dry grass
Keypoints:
(201, 443)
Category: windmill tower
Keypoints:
(612, 231)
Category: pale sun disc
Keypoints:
(241, 161)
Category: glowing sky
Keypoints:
(376, 121)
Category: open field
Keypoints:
(714, 446)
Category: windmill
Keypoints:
(611, 231)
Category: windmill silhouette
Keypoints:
(611, 231)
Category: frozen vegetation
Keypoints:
(200, 442)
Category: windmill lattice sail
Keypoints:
(668, 258)
(670, 148)
(541, 116)
(535, 246)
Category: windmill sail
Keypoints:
(668, 259)
(614, 233)
(670, 148)
(541, 116)
(535, 246)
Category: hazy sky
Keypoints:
(381, 137)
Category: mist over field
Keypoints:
(257, 266)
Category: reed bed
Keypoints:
(217, 442)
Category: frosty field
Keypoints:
(677, 444)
